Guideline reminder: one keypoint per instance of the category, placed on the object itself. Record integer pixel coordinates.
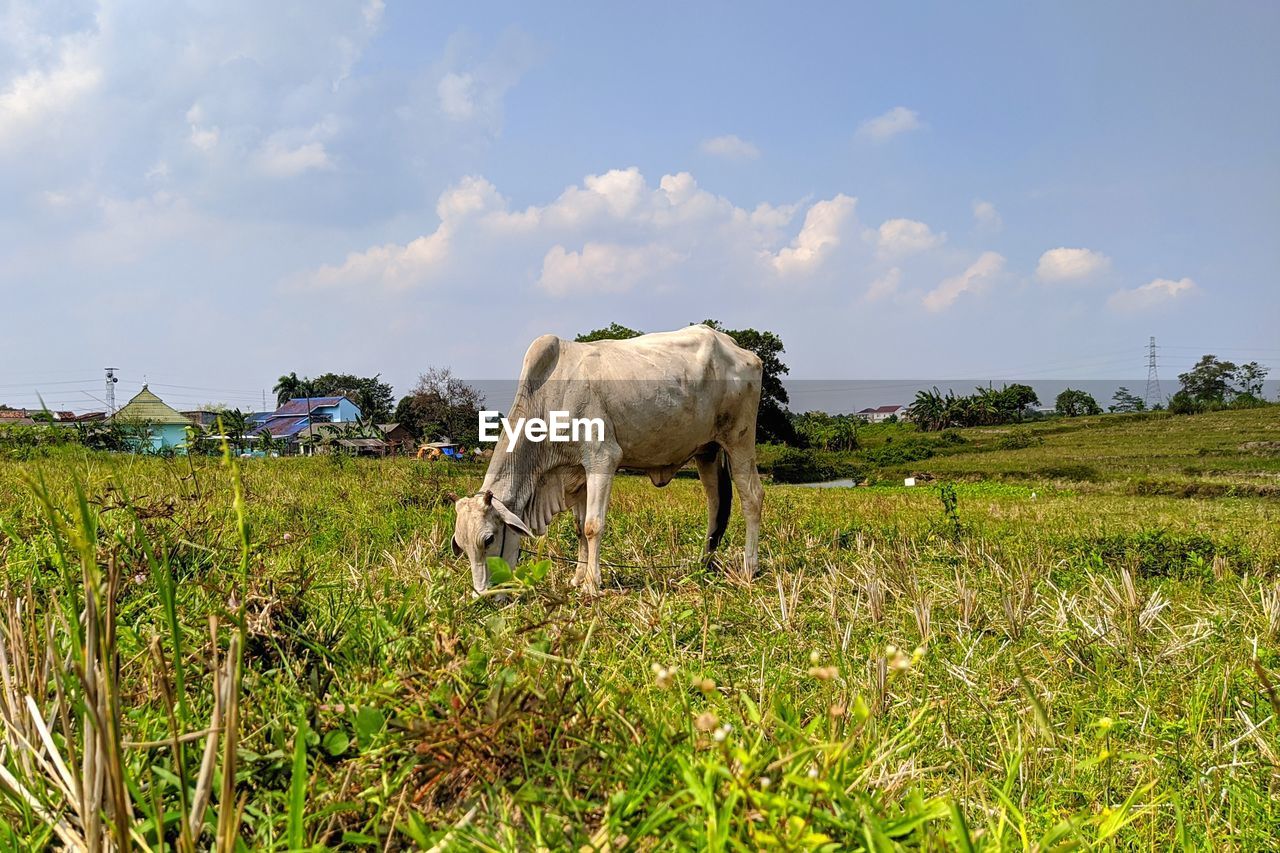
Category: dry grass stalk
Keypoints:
(69, 769)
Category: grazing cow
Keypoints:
(664, 399)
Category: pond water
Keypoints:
(830, 484)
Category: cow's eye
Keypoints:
(488, 539)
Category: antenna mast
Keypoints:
(111, 390)
(1154, 394)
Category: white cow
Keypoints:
(664, 398)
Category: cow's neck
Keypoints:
(514, 472)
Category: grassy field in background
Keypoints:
(1084, 648)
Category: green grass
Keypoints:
(1067, 661)
(1214, 453)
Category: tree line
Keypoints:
(442, 405)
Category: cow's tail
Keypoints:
(724, 501)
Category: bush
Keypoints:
(1019, 439)
(1159, 553)
(809, 466)
(1183, 403)
(1083, 473)
(911, 450)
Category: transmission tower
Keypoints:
(111, 390)
(1154, 395)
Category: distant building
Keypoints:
(882, 413)
(204, 418)
(294, 420)
(398, 438)
(26, 417)
(152, 425)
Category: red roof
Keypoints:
(887, 410)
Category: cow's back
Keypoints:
(661, 395)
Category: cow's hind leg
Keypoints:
(713, 471)
(579, 520)
(742, 465)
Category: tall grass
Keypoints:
(283, 656)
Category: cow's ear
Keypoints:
(457, 549)
(512, 520)
(487, 498)
(449, 496)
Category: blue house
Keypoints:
(151, 425)
(295, 417)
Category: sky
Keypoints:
(209, 195)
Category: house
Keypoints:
(398, 438)
(27, 417)
(204, 418)
(153, 426)
(293, 421)
(881, 414)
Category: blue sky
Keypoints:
(209, 195)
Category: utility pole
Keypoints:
(111, 390)
(1154, 394)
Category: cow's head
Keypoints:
(486, 528)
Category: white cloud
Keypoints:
(892, 123)
(398, 267)
(884, 286)
(973, 280)
(730, 147)
(127, 228)
(602, 268)
(277, 161)
(987, 217)
(905, 237)
(457, 96)
(624, 226)
(32, 98)
(1064, 264)
(1153, 294)
(823, 225)
(472, 89)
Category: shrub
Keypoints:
(911, 450)
(808, 466)
(1159, 553)
(1019, 439)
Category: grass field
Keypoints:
(1082, 648)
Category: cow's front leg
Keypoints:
(599, 485)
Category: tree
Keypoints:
(288, 387)
(1072, 403)
(1124, 401)
(235, 426)
(1249, 378)
(374, 397)
(930, 411)
(614, 332)
(442, 405)
(1210, 381)
(1015, 402)
(828, 432)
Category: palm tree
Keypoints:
(288, 387)
(235, 425)
(931, 411)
